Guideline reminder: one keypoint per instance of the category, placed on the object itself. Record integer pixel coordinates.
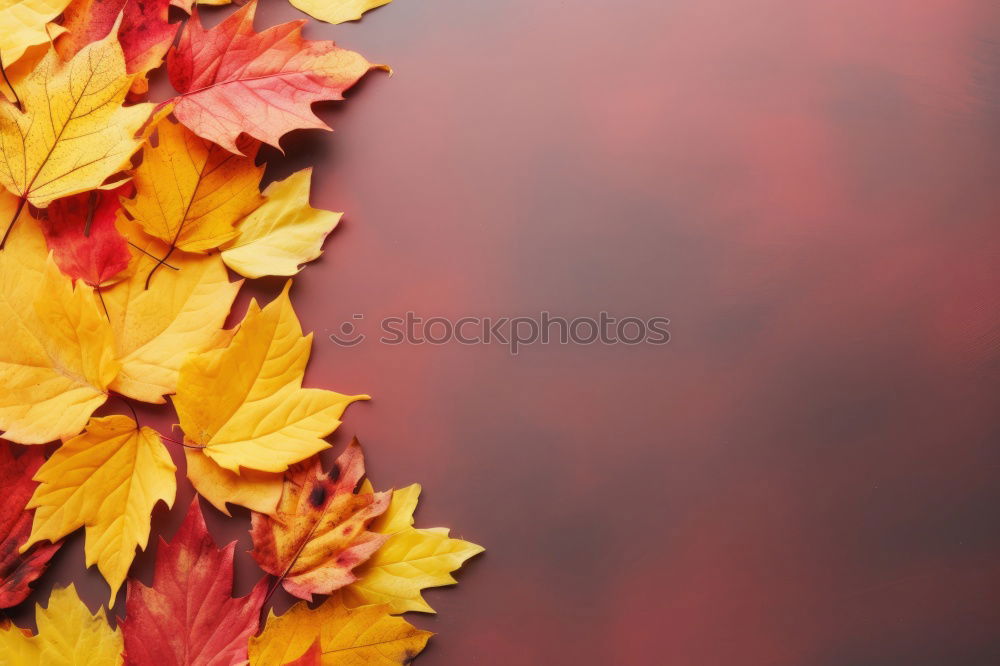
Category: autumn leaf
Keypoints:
(156, 329)
(189, 616)
(107, 479)
(25, 24)
(364, 636)
(410, 561)
(58, 356)
(281, 235)
(68, 635)
(234, 80)
(190, 193)
(245, 405)
(251, 488)
(14, 75)
(311, 657)
(144, 33)
(18, 571)
(320, 532)
(80, 230)
(337, 11)
(73, 133)
(188, 5)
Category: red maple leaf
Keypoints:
(234, 80)
(18, 571)
(80, 231)
(189, 616)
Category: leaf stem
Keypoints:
(91, 208)
(135, 417)
(295, 558)
(3, 71)
(158, 264)
(148, 254)
(100, 297)
(17, 212)
(174, 441)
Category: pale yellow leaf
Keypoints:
(284, 233)
(107, 479)
(68, 635)
(409, 562)
(24, 24)
(337, 11)
(57, 358)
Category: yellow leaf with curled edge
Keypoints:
(251, 488)
(337, 11)
(68, 635)
(190, 192)
(364, 636)
(281, 235)
(245, 406)
(26, 24)
(57, 358)
(181, 313)
(410, 561)
(17, 72)
(107, 479)
(73, 133)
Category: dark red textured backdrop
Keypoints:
(809, 473)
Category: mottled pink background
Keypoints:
(809, 473)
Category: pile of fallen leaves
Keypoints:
(122, 222)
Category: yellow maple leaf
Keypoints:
(190, 192)
(108, 479)
(337, 11)
(74, 132)
(25, 24)
(251, 488)
(155, 329)
(363, 636)
(410, 561)
(284, 233)
(57, 358)
(68, 635)
(245, 405)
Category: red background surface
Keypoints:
(808, 472)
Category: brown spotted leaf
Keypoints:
(320, 531)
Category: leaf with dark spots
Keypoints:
(318, 496)
(320, 531)
(18, 571)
